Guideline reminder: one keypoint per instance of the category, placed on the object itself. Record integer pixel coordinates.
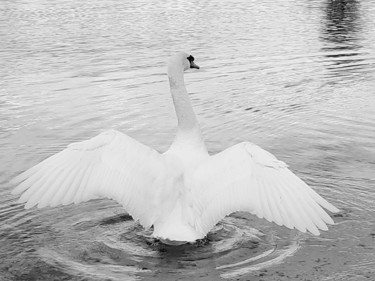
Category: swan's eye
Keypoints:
(190, 58)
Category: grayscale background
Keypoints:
(295, 77)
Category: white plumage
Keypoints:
(183, 192)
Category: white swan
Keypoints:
(183, 192)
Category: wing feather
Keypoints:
(295, 192)
(272, 199)
(292, 206)
(245, 177)
(71, 187)
(110, 165)
(48, 191)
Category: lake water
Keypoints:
(295, 77)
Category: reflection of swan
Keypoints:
(183, 192)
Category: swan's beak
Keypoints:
(193, 65)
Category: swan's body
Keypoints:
(183, 192)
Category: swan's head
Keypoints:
(183, 61)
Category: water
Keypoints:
(296, 77)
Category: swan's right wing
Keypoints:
(245, 177)
(110, 165)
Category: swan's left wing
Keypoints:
(110, 165)
(245, 177)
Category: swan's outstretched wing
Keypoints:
(110, 165)
(245, 177)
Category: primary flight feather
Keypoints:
(183, 192)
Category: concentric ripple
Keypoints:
(115, 247)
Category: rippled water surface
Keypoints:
(296, 77)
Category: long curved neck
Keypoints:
(182, 104)
(188, 127)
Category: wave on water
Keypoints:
(116, 247)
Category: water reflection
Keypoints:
(341, 38)
(182, 260)
(342, 24)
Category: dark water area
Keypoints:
(295, 77)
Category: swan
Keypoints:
(182, 192)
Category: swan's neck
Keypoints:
(188, 127)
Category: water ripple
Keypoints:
(117, 247)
